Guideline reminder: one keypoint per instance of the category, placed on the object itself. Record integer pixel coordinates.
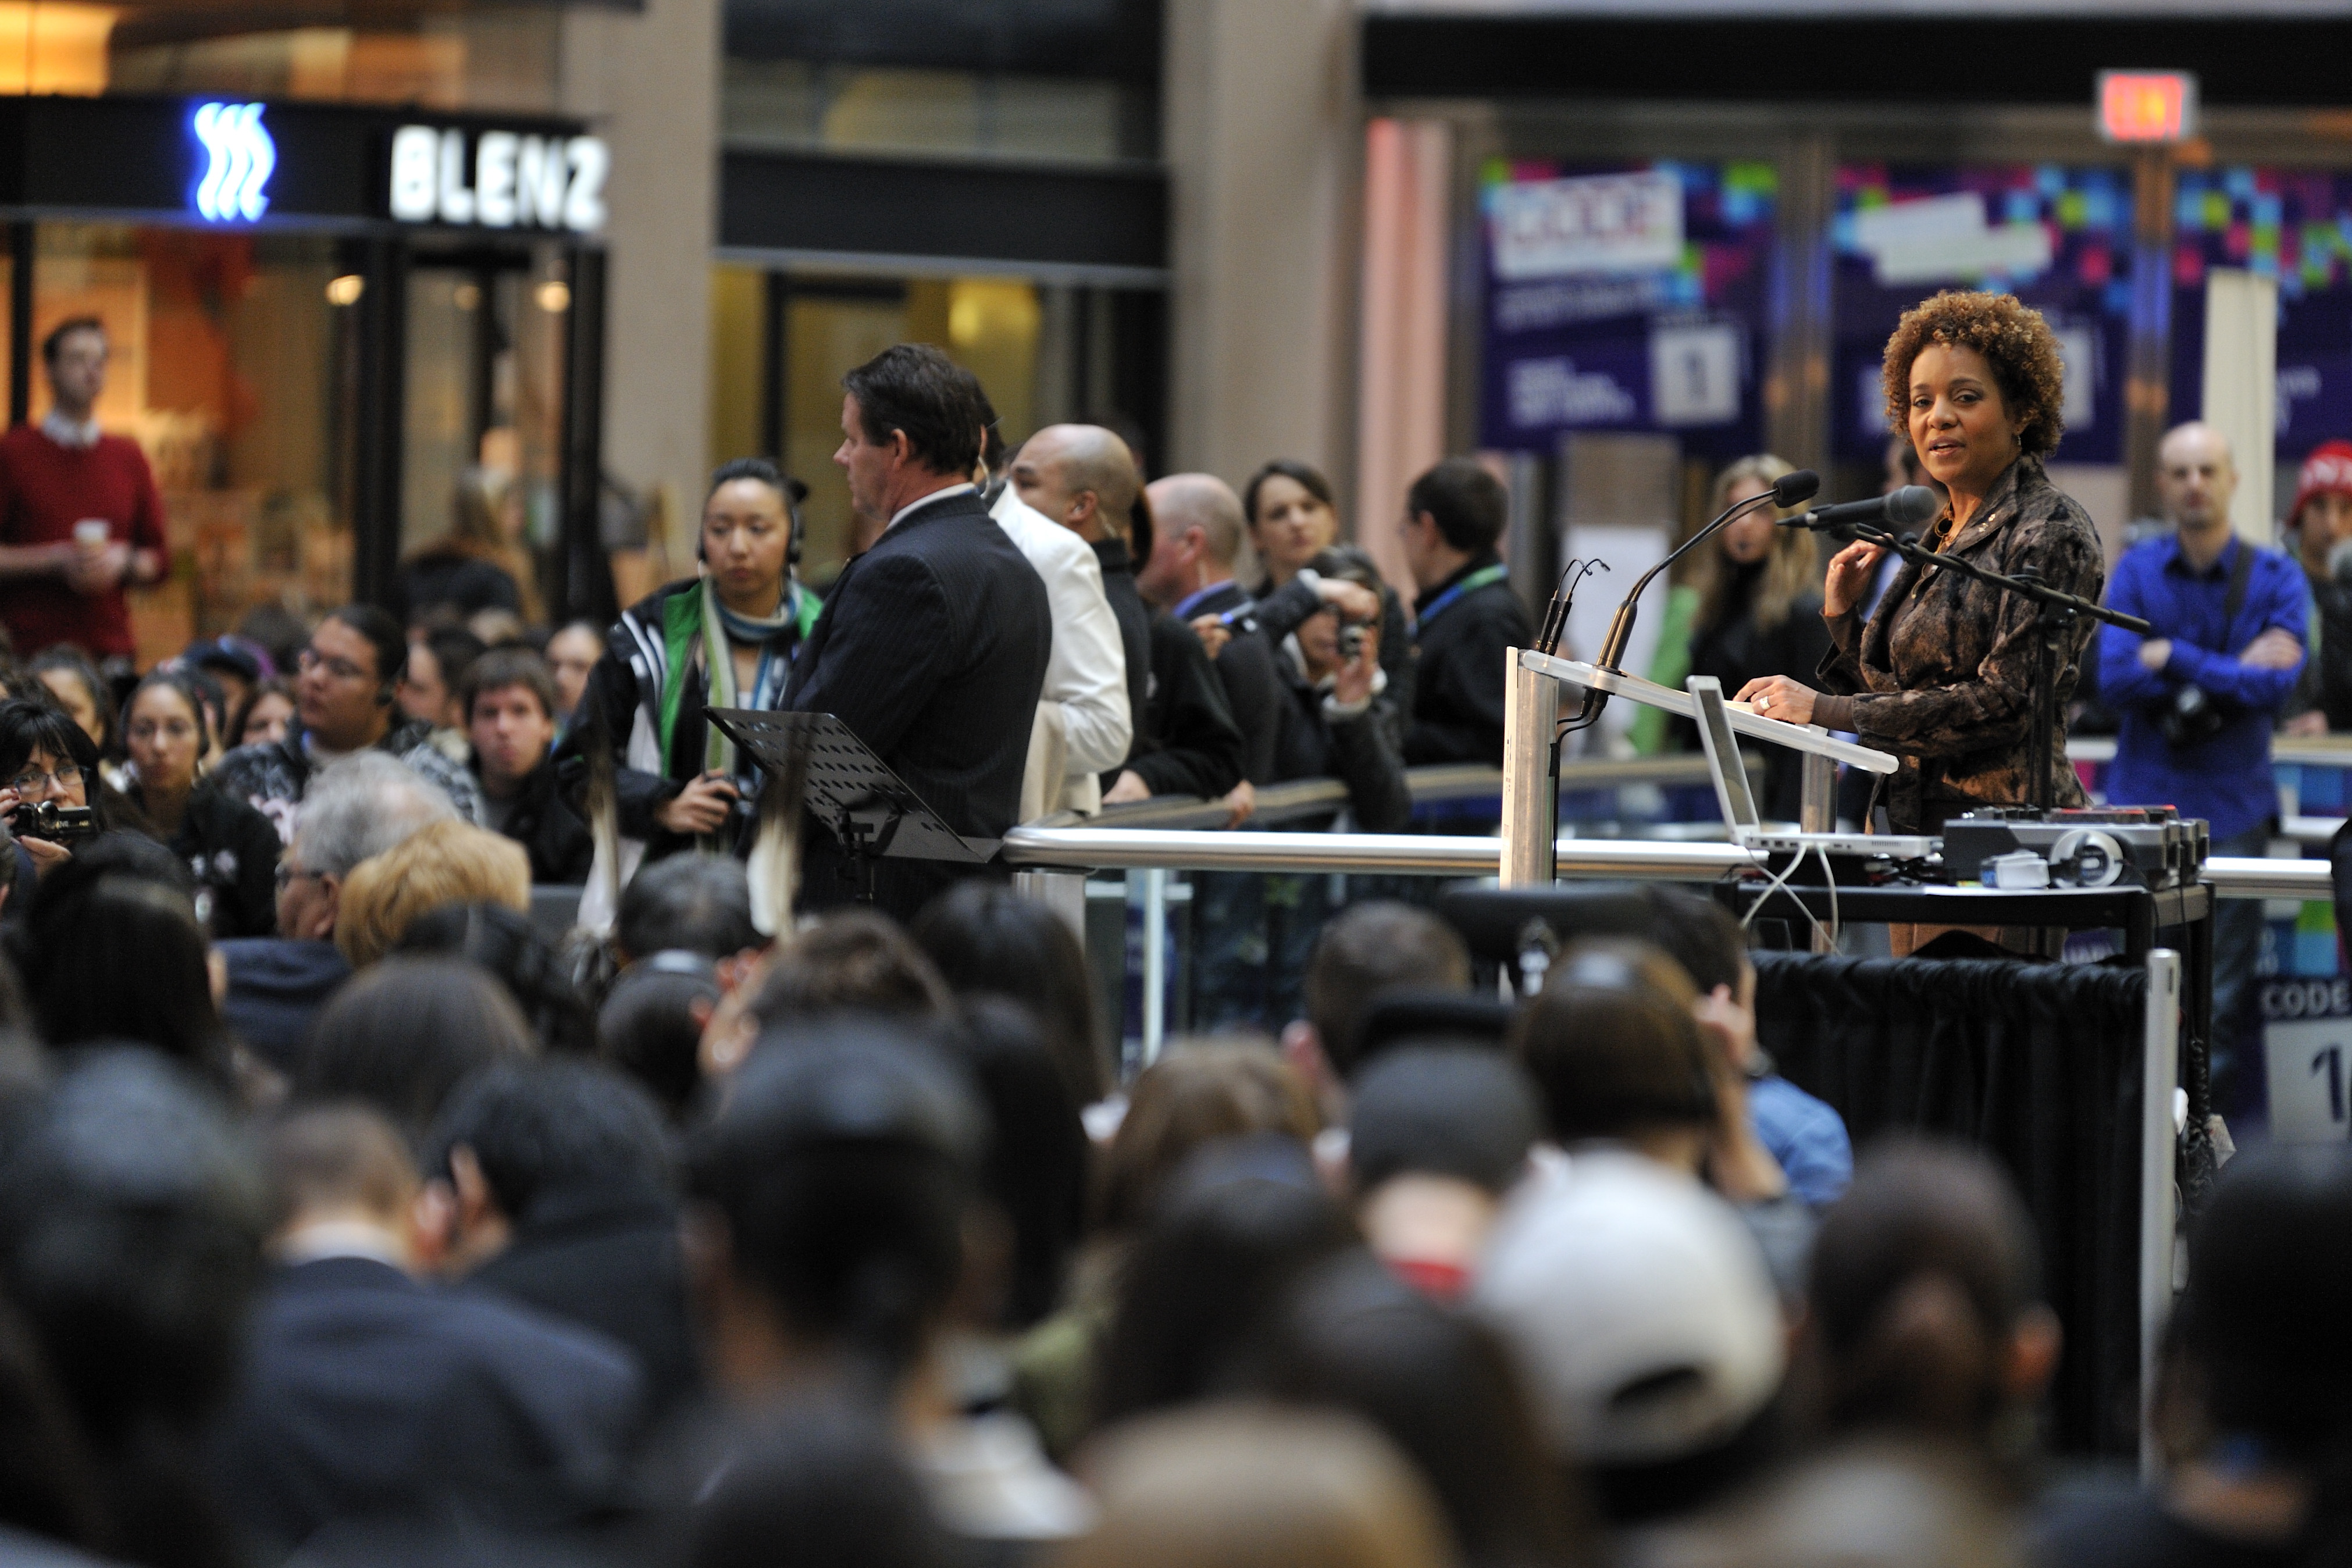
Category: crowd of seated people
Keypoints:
(851, 1243)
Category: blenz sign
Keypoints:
(498, 179)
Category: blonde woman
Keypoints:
(1759, 609)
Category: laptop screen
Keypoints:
(1722, 747)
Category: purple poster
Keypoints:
(2292, 224)
(2060, 239)
(1625, 298)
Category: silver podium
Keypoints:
(1531, 720)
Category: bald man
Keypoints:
(1196, 538)
(2198, 699)
(1187, 741)
(1083, 478)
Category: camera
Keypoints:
(58, 824)
(1351, 640)
(2192, 718)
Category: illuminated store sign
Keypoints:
(240, 158)
(499, 179)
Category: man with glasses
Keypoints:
(357, 809)
(343, 704)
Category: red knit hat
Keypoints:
(2328, 471)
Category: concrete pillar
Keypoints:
(649, 80)
(1262, 132)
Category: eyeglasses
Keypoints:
(32, 781)
(311, 658)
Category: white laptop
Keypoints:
(1739, 814)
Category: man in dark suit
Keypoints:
(370, 1403)
(933, 643)
(1465, 617)
(556, 1190)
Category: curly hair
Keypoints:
(2015, 341)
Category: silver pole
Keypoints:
(1818, 814)
(1155, 963)
(2161, 1041)
(1530, 802)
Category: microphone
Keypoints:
(1912, 506)
(1789, 489)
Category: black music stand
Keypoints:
(845, 786)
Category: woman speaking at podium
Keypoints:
(1942, 675)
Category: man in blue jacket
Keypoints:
(2199, 698)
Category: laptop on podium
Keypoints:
(1741, 817)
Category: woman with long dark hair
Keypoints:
(231, 849)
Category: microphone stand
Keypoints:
(1621, 628)
(2054, 625)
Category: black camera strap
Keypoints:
(2241, 572)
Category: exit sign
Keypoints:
(2148, 106)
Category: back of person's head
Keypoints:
(697, 903)
(1242, 1221)
(50, 1483)
(917, 389)
(1194, 1095)
(820, 1484)
(652, 1021)
(1922, 1277)
(1236, 1485)
(1367, 948)
(132, 1217)
(440, 863)
(1648, 1330)
(512, 948)
(1701, 936)
(402, 1034)
(1186, 501)
(852, 961)
(329, 1162)
(988, 940)
(835, 1171)
(1466, 500)
(2261, 1325)
(1442, 1110)
(1613, 1046)
(384, 634)
(361, 806)
(1035, 1172)
(541, 1130)
(112, 951)
(1440, 1385)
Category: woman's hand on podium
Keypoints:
(1778, 697)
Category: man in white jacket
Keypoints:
(1087, 678)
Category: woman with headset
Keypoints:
(722, 638)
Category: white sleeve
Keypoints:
(1088, 672)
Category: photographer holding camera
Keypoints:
(2199, 698)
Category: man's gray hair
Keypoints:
(361, 806)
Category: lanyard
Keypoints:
(1478, 579)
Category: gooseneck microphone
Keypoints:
(1787, 490)
(1912, 506)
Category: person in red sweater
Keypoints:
(79, 515)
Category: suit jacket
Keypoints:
(366, 1395)
(1188, 742)
(605, 1256)
(932, 648)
